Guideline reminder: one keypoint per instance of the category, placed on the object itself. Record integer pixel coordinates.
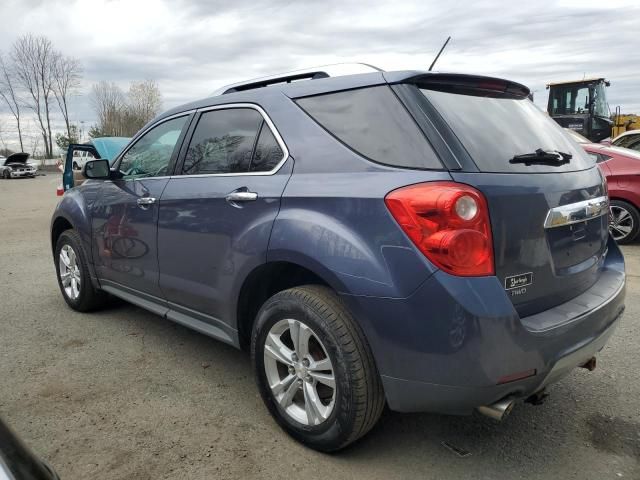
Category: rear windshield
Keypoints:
(374, 123)
(494, 130)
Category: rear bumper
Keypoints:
(446, 348)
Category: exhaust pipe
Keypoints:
(499, 410)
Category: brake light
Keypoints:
(449, 223)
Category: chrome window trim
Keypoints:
(274, 131)
(577, 212)
(140, 134)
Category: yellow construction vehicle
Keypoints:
(581, 105)
(623, 123)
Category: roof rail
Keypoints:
(313, 73)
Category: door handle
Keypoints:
(241, 196)
(146, 201)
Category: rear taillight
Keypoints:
(449, 223)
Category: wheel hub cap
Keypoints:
(621, 222)
(69, 272)
(299, 372)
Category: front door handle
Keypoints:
(144, 202)
(234, 198)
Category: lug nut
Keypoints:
(294, 357)
(308, 379)
(305, 362)
(292, 370)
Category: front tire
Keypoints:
(73, 274)
(624, 221)
(6, 175)
(314, 368)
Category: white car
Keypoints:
(630, 139)
(16, 165)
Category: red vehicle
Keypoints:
(621, 166)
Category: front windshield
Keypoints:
(569, 99)
(600, 106)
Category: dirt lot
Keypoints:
(125, 394)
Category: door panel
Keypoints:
(206, 243)
(125, 233)
(125, 217)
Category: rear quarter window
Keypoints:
(375, 124)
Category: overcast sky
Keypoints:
(191, 47)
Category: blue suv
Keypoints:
(426, 241)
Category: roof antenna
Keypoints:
(438, 56)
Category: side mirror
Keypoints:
(97, 169)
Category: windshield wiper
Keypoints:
(542, 157)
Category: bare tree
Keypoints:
(34, 58)
(144, 100)
(9, 94)
(66, 72)
(108, 101)
(2, 142)
(120, 115)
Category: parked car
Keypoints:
(363, 238)
(16, 166)
(77, 155)
(630, 139)
(621, 167)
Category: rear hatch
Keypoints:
(548, 210)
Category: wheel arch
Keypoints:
(265, 281)
(59, 224)
(622, 198)
(72, 213)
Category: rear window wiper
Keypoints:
(542, 157)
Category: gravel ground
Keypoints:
(124, 394)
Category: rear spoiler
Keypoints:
(466, 84)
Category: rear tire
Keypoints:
(73, 274)
(624, 222)
(336, 353)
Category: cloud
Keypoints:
(191, 47)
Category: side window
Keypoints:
(627, 141)
(223, 142)
(268, 152)
(151, 154)
(374, 123)
(635, 145)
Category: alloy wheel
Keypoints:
(69, 272)
(299, 372)
(620, 222)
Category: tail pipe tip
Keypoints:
(499, 410)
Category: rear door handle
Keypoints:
(234, 198)
(146, 201)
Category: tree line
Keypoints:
(33, 76)
(37, 80)
(122, 114)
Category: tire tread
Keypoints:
(368, 394)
